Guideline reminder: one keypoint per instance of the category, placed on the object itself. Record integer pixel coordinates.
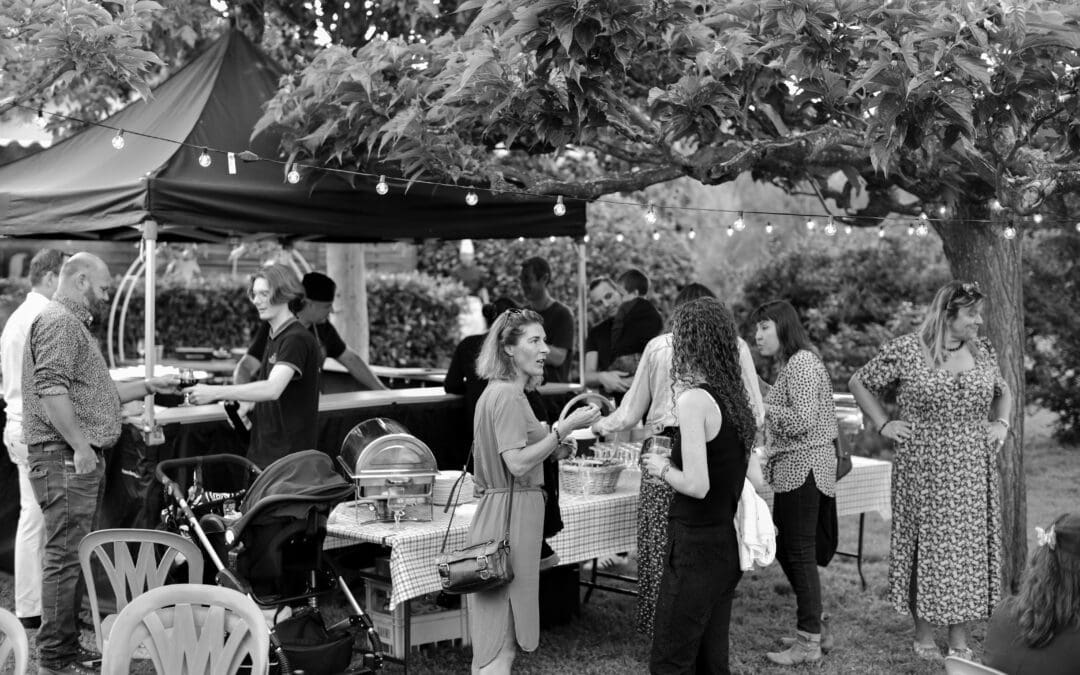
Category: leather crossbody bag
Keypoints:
(480, 567)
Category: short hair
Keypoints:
(789, 329)
(494, 363)
(601, 280)
(947, 303)
(537, 267)
(493, 309)
(634, 281)
(693, 291)
(44, 261)
(285, 286)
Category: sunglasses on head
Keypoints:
(969, 290)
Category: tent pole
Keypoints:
(149, 230)
(582, 310)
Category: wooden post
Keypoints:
(345, 265)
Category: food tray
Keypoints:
(589, 476)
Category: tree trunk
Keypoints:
(979, 252)
(345, 265)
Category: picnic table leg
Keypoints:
(858, 559)
(592, 580)
(408, 632)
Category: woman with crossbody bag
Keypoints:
(509, 446)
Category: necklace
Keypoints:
(956, 348)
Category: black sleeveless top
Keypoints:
(727, 461)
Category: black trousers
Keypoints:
(795, 514)
(693, 611)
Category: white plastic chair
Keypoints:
(157, 552)
(189, 629)
(15, 645)
(954, 665)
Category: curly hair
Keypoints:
(1049, 599)
(705, 350)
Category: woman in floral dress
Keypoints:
(945, 562)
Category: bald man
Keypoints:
(71, 413)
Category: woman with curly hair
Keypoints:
(1038, 630)
(800, 426)
(707, 468)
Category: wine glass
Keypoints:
(187, 379)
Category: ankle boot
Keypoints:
(827, 636)
(805, 649)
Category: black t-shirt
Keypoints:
(288, 424)
(599, 340)
(329, 340)
(559, 328)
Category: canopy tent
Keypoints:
(82, 187)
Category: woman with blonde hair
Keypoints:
(945, 560)
(1038, 630)
(509, 448)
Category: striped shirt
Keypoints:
(63, 357)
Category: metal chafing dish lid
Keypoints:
(383, 447)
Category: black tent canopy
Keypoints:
(82, 187)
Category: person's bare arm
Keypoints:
(360, 370)
(556, 355)
(246, 369)
(269, 389)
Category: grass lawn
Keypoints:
(871, 637)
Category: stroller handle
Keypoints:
(202, 460)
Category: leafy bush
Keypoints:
(850, 300)
(413, 319)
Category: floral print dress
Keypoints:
(945, 495)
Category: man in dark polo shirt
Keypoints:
(71, 413)
(558, 321)
(286, 389)
(606, 298)
(319, 292)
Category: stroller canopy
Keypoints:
(289, 487)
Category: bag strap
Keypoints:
(455, 494)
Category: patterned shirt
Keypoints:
(63, 357)
(800, 426)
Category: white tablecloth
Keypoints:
(867, 488)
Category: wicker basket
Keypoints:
(589, 476)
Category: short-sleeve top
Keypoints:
(329, 340)
(559, 329)
(599, 340)
(504, 421)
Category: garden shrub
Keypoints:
(413, 319)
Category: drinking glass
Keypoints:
(658, 445)
(187, 379)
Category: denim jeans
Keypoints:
(693, 610)
(795, 514)
(29, 534)
(69, 502)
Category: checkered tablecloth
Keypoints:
(594, 526)
(867, 488)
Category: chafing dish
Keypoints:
(393, 471)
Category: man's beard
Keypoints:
(99, 309)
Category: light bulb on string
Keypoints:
(650, 215)
(922, 230)
(656, 235)
(521, 239)
(41, 120)
(619, 237)
(1037, 218)
(382, 187)
(810, 224)
(1009, 232)
(830, 227)
(472, 198)
(943, 210)
(585, 239)
(769, 227)
(996, 205)
(293, 176)
(730, 231)
(551, 239)
(847, 229)
(923, 217)
(692, 234)
(881, 231)
(1078, 227)
(204, 158)
(910, 229)
(559, 209)
(118, 140)
(739, 223)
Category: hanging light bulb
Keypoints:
(619, 237)
(293, 176)
(585, 239)
(118, 140)
(692, 234)
(996, 205)
(739, 223)
(910, 229)
(650, 215)
(810, 224)
(730, 231)
(1009, 232)
(656, 235)
(830, 227)
(922, 230)
(943, 210)
(41, 120)
(1037, 218)
(382, 187)
(768, 227)
(551, 239)
(1078, 227)
(471, 198)
(204, 158)
(559, 208)
(923, 217)
(847, 229)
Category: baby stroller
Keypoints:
(273, 552)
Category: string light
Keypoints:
(656, 235)
(830, 227)
(847, 229)
(1037, 218)
(881, 231)
(922, 230)
(293, 176)
(382, 187)
(923, 217)
(995, 205)
(910, 229)
(204, 159)
(551, 239)
(768, 227)
(41, 120)
(739, 223)
(1078, 227)
(810, 224)
(559, 209)
(692, 234)
(943, 210)
(471, 198)
(585, 239)
(650, 215)
(730, 231)
(619, 237)
(1009, 232)
(118, 140)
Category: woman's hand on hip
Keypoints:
(998, 433)
(897, 430)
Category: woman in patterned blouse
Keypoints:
(945, 553)
(800, 425)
